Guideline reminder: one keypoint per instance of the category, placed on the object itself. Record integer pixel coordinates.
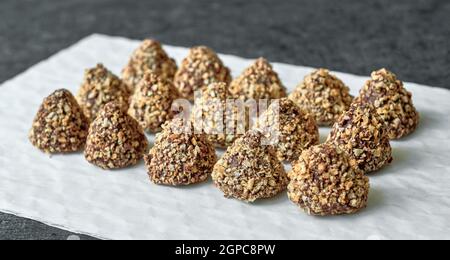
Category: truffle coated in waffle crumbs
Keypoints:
(361, 133)
(392, 102)
(211, 107)
(323, 183)
(249, 170)
(179, 156)
(151, 103)
(297, 130)
(99, 88)
(59, 126)
(200, 68)
(259, 81)
(115, 139)
(148, 57)
(323, 95)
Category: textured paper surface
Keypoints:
(410, 199)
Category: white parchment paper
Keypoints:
(410, 199)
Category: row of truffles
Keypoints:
(109, 115)
(113, 140)
(329, 179)
(323, 181)
(248, 170)
(200, 68)
(320, 93)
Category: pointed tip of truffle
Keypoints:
(110, 108)
(202, 51)
(217, 90)
(262, 62)
(383, 73)
(150, 43)
(254, 138)
(97, 72)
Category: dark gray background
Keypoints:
(411, 38)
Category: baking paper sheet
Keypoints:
(410, 199)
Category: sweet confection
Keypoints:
(250, 170)
(148, 57)
(361, 133)
(99, 88)
(323, 95)
(115, 139)
(200, 68)
(294, 129)
(324, 183)
(392, 102)
(259, 81)
(180, 156)
(59, 126)
(151, 103)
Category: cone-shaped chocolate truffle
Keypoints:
(250, 169)
(115, 139)
(148, 57)
(323, 182)
(200, 68)
(259, 81)
(152, 101)
(324, 95)
(59, 126)
(180, 156)
(361, 133)
(99, 88)
(221, 121)
(392, 102)
(294, 129)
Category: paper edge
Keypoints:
(51, 224)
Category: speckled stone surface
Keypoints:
(408, 37)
